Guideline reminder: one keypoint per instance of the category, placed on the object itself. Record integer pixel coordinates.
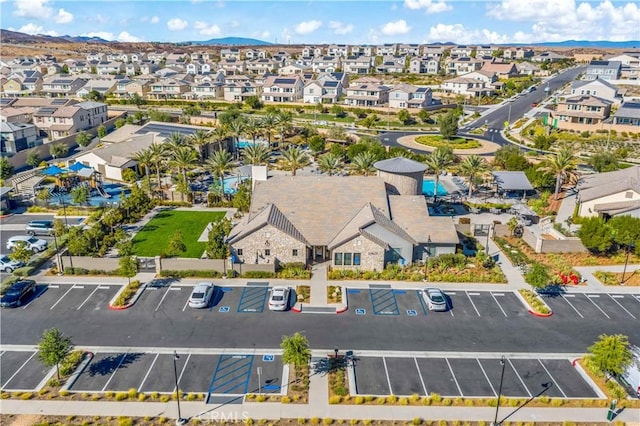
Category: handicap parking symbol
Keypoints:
(224, 309)
(268, 358)
(361, 311)
(412, 312)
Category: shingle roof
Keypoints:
(270, 215)
(411, 214)
(603, 184)
(400, 165)
(616, 208)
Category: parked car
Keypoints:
(7, 265)
(34, 244)
(279, 299)
(16, 293)
(435, 299)
(201, 295)
(631, 377)
(39, 227)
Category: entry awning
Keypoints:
(512, 181)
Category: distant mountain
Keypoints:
(601, 44)
(15, 37)
(230, 41)
(82, 39)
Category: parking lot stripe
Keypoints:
(473, 304)
(486, 377)
(570, 304)
(499, 306)
(53, 286)
(61, 297)
(148, 371)
(424, 308)
(18, 370)
(104, 287)
(623, 308)
(185, 304)
(424, 387)
(124, 355)
(184, 367)
(88, 297)
(551, 377)
(78, 286)
(162, 299)
(386, 371)
(599, 308)
(519, 377)
(454, 377)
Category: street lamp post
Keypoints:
(179, 420)
(486, 247)
(66, 225)
(502, 363)
(545, 387)
(59, 265)
(626, 262)
(426, 260)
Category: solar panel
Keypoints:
(284, 81)
(47, 110)
(30, 80)
(61, 82)
(59, 101)
(331, 83)
(5, 101)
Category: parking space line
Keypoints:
(571, 304)
(499, 306)
(519, 377)
(186, 304)
(53, 286)
(88, 297)
(184, 367)
(61, 297)
(18, 370)
(454, 377)
(424, 387)
(124, 355)
(486, 377)
(162, 299)
(473, 304)
(551, 377)
(594, 304)
(148, 371)
(623, 308)
(424, 308)
(386, 371)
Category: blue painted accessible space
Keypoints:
(232, 375)
(384, 301)
(253, 299)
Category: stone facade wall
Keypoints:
(280, 246)
(371, 254)
(405, 184)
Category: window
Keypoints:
(239, 251)
(337, 258)
(347, 259)
(629, 194)
(294, 252)
(267, 252)
(356, 259)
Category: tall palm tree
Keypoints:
(219, 135)
(293, 159)
(201, 138)
(362, 163)
(269, 123)
(256, 153)
(236, 128)
(285, 122)
(438, 162)
(330, 164)
(472, 167)
(220, 163)
(157, 152)
(176, 140)
(253, 128)
(144, 159)
(183, 158)
(562, 165)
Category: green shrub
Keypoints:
(71, 362)
(125, 421)
(359, 400)
(121, 396)
(190, 273)
(258, 274)
(126, 295)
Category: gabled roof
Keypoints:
(270, 215)
(579, 83)
(616, 208)
(602, 184)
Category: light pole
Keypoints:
(626, 262)
(509, 115)
(59, 265)
(545, 387)
(502, 363)
(179, 420)
(488, 234)
(66, 225)
(426, 260)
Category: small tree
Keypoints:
(295, 351)
(120, 122)
(610, 354)
(128, 267)
(33, 158)
(449, 125)
(217, 248)
(58, 150)
(6, 168)
(101, 131)
(424, 116)
(53, 348)
(405, 116)
(317, 144)
(176, 244)
(537, 276)
(80, 195)
(21, 253)
(595, 234)
(83, 139)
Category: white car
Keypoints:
(201, 295)
(34, 244)
(435, 299)
(7, 265)
(279, 299)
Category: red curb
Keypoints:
(120, 308)
(343, 310)
(296, 310)
(575, 361)
(537, 314)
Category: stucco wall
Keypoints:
(405, 184)
(371, 254)
(621, 196)
(280, 245)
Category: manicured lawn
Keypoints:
(455, 143)
(152, 240)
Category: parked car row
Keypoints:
(204, 292)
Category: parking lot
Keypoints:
(71, 297)
(22, 371)
(469, 377)
(615, 307)
(219, 376)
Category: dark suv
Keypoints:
(16, 293)
(39, 227)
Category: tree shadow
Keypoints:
(112, 363)
(161, 282)
(552, 290)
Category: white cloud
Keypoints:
(340, 28)
(32, 28)
(261, 35)
(395, 28)
(36, 9)
(429, 6)
(100, 19)
(128, 38)
(206, 29)
(154, 19)
(234, 24)
(63, 17)
(177, 24)
(307, 27)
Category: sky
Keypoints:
(325, 22)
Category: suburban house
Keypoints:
(126, 88)
(501, 69)
(610, 194)
(110, 68)
(581, 113)
(168, 88)
(461, 51)
(282, 89)
(548, 57)
(322, 91)
(292, 69)
(338, 50)
(409, 49)
(261, 65)
(391, 65)
(627, 117)
(598, 88)
(58, 122)
(62, 86)
(357, 64)
(371, 223)
(433, 52)
(605, 70)
(527, 68)
(326, 63)
(424, 66)
(409, 96)
(15, 137)
(239, 91)
(630, 68)
(517, 53)
(386, 49)
(104, 86)
(363, 94)
(463, 65)
(467, 86)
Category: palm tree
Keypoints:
(330, 164)
(236, 128)
(438, 162)
(183, 158)
(220, 163)
(201, 139)
(253, 128)
(219, 135)
(176, 140)
(269, 122)
(362, 163)
(256, 153)
(293, 159)
(285, 121)
(144, 159)
(471, 167)
(157, 152)
(562, 165)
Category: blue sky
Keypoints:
(320, 21)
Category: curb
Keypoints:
(297, 308)
(132, 302)
(530, 308)
(87, 359)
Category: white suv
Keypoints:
(7, 265)
(34, 244)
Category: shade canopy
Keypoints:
(54, 171)
(76, 167)
(512, 181)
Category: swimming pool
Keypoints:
(112, 189)
(428, 188)
(231, 184)
(244, 143)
